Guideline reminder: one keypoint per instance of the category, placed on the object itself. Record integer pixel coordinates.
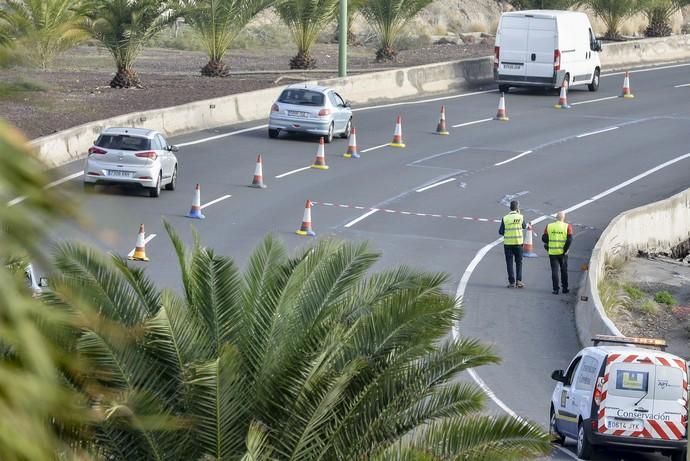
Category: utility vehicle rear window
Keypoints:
(123, 142)
(628, 380)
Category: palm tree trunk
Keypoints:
(215, 68)
(303, 60)
(386, 53)
(126, 78)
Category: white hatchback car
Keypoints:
(132, 156)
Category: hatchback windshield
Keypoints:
(123, 142)
(301, 97)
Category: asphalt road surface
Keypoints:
(434, 203)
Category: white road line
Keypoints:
(18, 200)
(593, 100)
(292, 172)
(681, 86)
(592, 133)
(651, 69)
(567, 452)
(146, 240)
(219, 136)
(473, 123)
(361, 218)
(462, 286)
(373, 148)
(220, 199)
(423, 101)
(527, 152)
(431, 186)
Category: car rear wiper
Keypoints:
(641, 398)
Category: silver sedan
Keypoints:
(310, 109)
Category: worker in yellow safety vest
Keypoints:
(557, 238)
(511, 228)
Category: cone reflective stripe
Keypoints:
(258, 180)
(140, 249)
(305, 229)
(527, 247)
(627, 92)
(195, 212)
(441, 127)
(320, 160)
(563, 98)
(397, 135)
(501, 114)
(352, 145)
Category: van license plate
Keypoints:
(617, 425)
(512, 66)
(120, 173)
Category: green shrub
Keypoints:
(635, 293)
(648, 306)
(664, 297)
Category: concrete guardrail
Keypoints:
(71, 144)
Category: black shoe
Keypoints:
(565, 291)
(555, 292)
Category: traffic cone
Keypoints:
(441, 127)
(195, 212)
(563, 98)
(501, 114)
(397, 135)
(527, 247)
(320, 160)
(627, 93)
(305, 229)
(140, 249)
(258, 180)
(352, 146)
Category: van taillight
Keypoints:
(497, 52)
(597, 397)
(556, 60)
(149, 155)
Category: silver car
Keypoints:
(310, 109)
(132, 156)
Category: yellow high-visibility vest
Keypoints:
(512, 232)
(558, 233)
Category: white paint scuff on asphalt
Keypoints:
(462, 286)
(527, 152)
(293, 172)
(361, 218)
(212, 202)
(146, 240)
(592, 133)
(473, 122)
(431, 186)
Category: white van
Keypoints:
(544, 48)
(622, 396)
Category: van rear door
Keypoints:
(513, 42)
(668, 419)
(541, 43)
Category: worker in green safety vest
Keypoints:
(557, 238)
(511, 228)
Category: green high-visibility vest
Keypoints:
(512, 232)
(558, 233)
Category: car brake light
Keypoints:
(497, 50)
(145, 177)
(96, 150)
(595, 425)
(275, 108)
(324, 112)
(94, 173)
(149, 155)
(556, 60)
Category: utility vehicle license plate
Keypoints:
(619, 425)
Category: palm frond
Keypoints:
(389, 17)
(306, 19)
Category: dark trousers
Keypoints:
(513, 252)
(559, 263)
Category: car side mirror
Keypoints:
(558, 375)
(173, 148)
(43, 282)
(348, 104)
(596, 45)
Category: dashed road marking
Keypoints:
(593, 100)
(220, 136)
(361, 218)
(473, 122)
(527, 152)
(293, 172)
(682, 86)
(431, 186)
(373, 148)
(408, 213)
(212, 202)
(18, 200)
(592, 133)
(146, 240)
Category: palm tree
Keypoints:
(301, 357)
(123, 27)
(612, 13)
(658, 13)
(44, 28)
(306, 19)
(388, 19)
(218, 22)
(353, 7)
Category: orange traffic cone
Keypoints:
(627, 93)
(441, 127)
(320, 160)
(139, 253)
(305, 229)
(352, 146)
(527, 247)
(501, 114)
(563, 98)
(258, 180)
(195, 212)
(397, 135)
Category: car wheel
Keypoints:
(173, 181)
(89, 186)
(329, 136)
(594, 86)
(555, 435)
(348, 129)
(503, 88)
(156, 191)
(584, 448)
(273, 133)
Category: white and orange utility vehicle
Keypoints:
(628, 394)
